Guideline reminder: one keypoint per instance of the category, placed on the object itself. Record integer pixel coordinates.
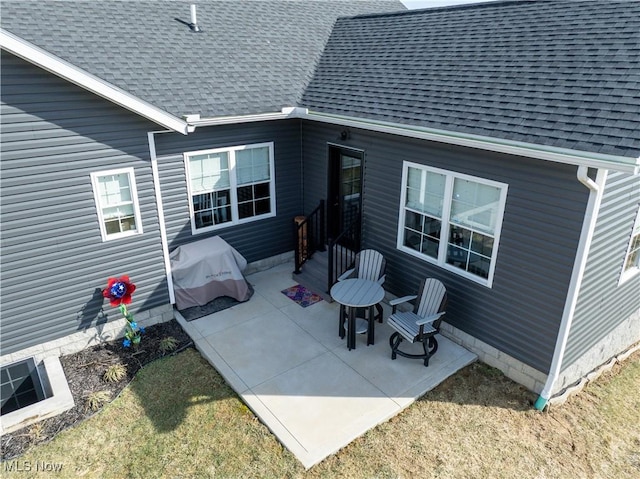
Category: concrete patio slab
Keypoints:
(400, 378)
(323, 404)
(320, 320)
(289, 365)
(233, 316)
(264, 346)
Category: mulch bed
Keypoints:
(84, 371)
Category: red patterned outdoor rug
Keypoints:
(302, 295)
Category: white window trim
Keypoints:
(635, 270)
(446, 208)
(134, 198)
(233, 186)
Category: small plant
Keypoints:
(168, 344)
(115, 373)
(97, 399)
(36, 432)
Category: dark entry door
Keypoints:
(345, 193)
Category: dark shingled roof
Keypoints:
(557, 73)
(251, 56)
(563, 74)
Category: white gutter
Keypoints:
(596, 190)
(163, 226)
(64, 69)
(195, 121)
(530, 150)
(549, 153)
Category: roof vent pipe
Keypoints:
(194, 21)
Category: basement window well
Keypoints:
(21, 385)
(32, 392)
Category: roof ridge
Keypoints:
(464, 6)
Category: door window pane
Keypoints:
(351, 171)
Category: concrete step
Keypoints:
(314, 273)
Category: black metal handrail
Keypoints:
(309, 235)
(342, 252)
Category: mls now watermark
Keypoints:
(35, 466)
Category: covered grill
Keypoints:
(205, 270)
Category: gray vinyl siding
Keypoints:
(254, 240)
(54, 262)
(603, 304)
(521, 313)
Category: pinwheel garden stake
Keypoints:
(119, 291)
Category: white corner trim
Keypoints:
(69, 72)
(596, 192)
(541, 152)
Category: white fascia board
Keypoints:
(64, 69)
(289, 112)
(558, 155)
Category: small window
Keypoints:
(117, 203)
(632, 259)
(452, 220)
(21, 385)
(229, 186)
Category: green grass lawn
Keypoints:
(178, 419)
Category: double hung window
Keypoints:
(632, 259)
(117, 203)
(229, 186)
(451, 219)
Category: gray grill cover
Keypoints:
(206, 269)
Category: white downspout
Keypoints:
(163, 227)
(596, 189)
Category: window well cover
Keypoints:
(21, 385)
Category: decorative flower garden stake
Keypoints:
(119, 291)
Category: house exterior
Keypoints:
(85, 106)
(493, 146)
